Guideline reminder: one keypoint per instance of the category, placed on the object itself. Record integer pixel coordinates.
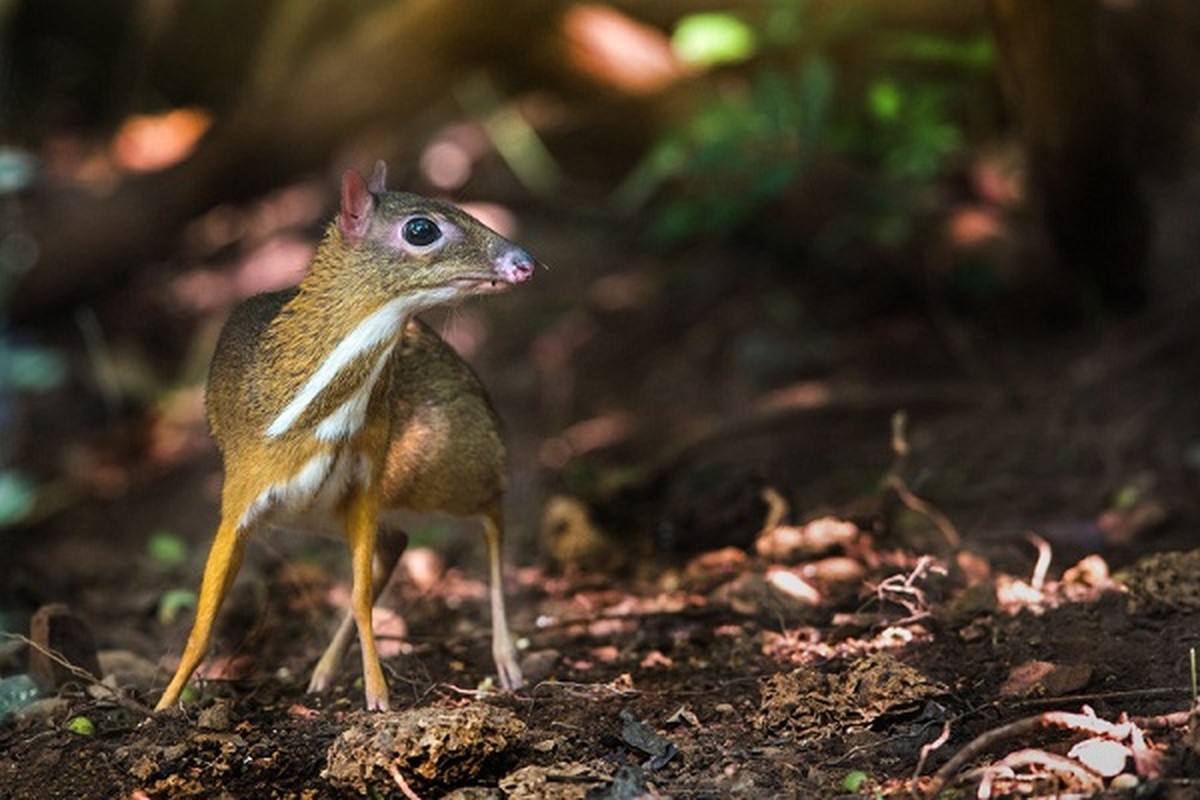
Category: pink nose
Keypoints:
(515, 265)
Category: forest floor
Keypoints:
(730, 575)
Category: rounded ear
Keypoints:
(378, 182)
(357, 204)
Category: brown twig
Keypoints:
(1162, 721)
(405, 789)
(118, 697)
(985, 741)
(1090, 697)
(928, 748)
(1038, 579)
(1176, 719)
(585, 689)
(777, 508)
(642, 617)
(913, 503)
(1088, 780)
(894, 482)
(474, 694)
(899, 588)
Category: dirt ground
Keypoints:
(725, 579)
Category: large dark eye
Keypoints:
(421, 232)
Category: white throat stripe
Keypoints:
(381, 325)
(347, 418)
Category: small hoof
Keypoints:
(510, 676)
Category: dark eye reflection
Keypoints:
(421, 232)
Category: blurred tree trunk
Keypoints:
(1095, 86)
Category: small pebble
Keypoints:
(545, 745)
(1125, 781)
(214, 718)
(539, 665)
(724, 708)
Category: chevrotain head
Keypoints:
(406, 244)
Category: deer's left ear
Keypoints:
(378, 182)
(354, 218)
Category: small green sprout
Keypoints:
(81, 725)
(855, 780)
(174, 601)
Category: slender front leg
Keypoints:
(388, 549)
(503, 651)
(362, 515)
(224, 559)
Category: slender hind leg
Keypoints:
(389, 546)
(362, 517)
(224, 559)
(503, 651)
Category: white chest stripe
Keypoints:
(302, 486)
(318, 486)
(345, 421)
(381, 325)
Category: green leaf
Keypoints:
(167, 549)
(713, 38)
(854, 781)
(81, 725)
